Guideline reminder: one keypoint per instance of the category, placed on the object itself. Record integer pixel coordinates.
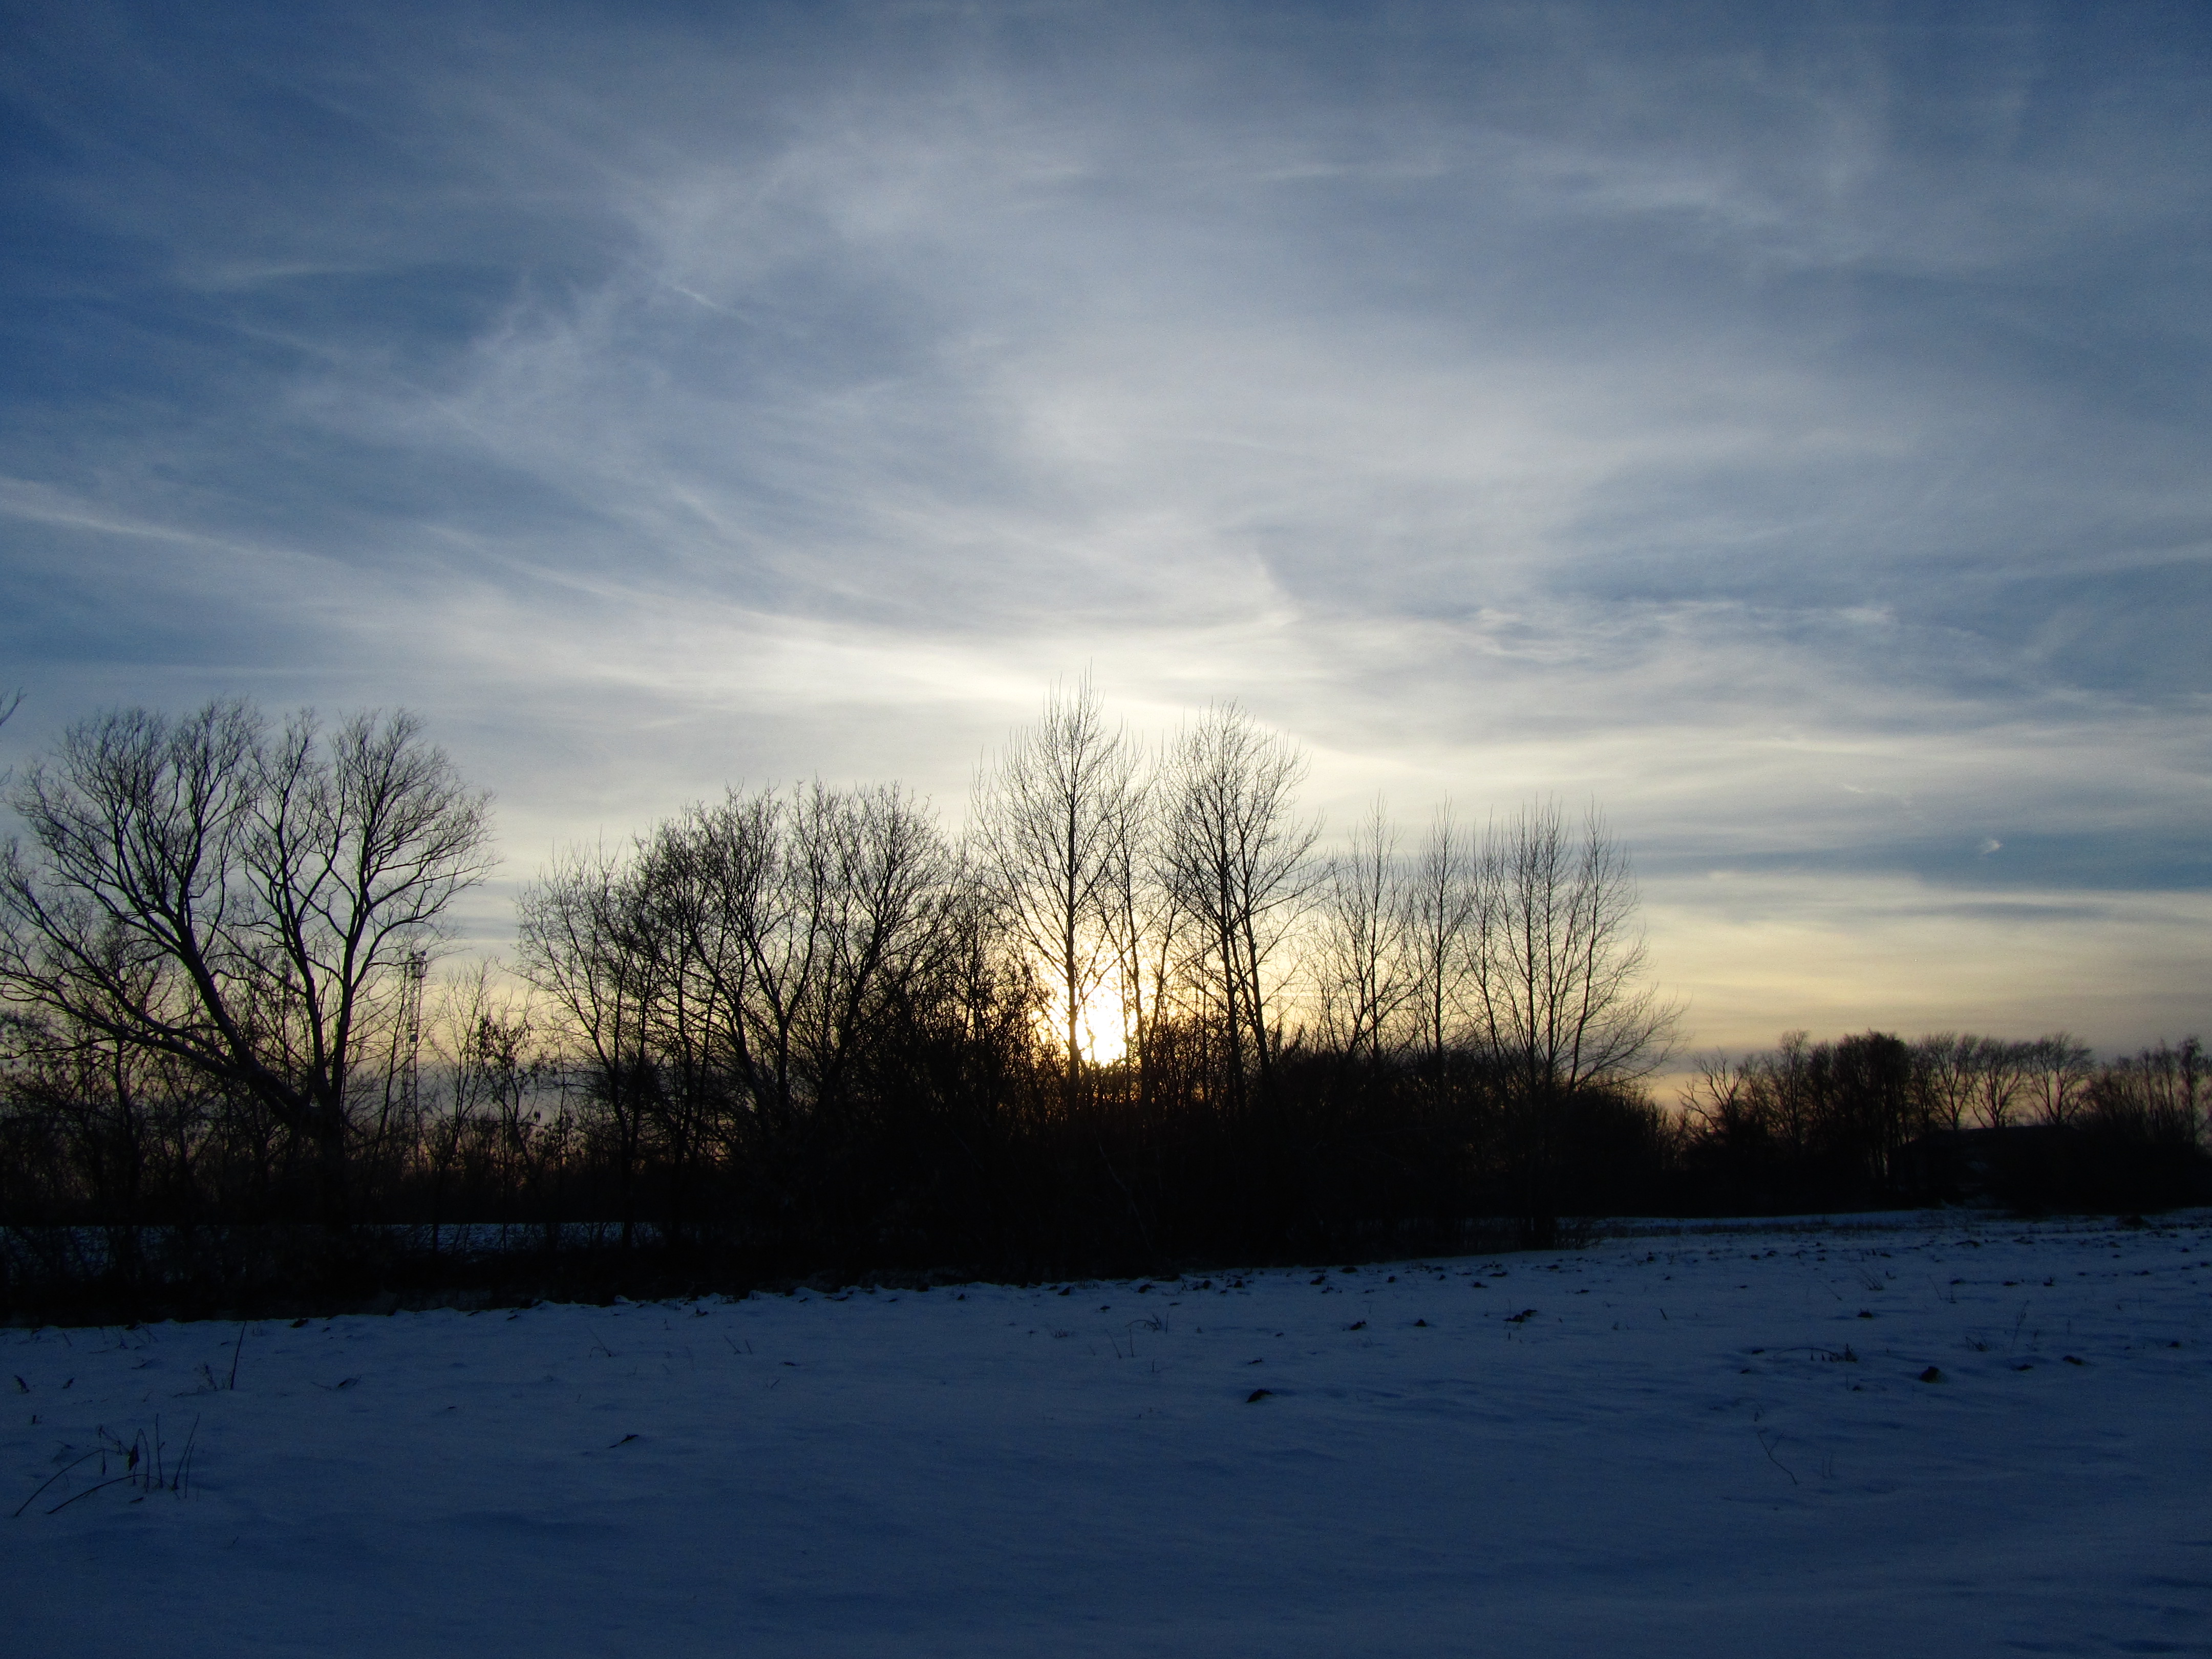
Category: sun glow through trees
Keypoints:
(1100, 1027)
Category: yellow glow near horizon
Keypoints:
(1099, 1027)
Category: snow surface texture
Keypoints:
(1699, 1445)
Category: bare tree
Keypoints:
(2000, 1072)
(2157, 1093)
(481, 1116)
(1725, 1101)
(745, 956)
(2058, 1068)
(238, 899)
(693, 886)
(1144, 918)
(1364, 970)
(1558, 976)
(1556, 984)
(1233, 850)
(1871, 1107)
(872, 877)
(1441, 907)
(1943, 1075)
(578, 933)
(1054, 820)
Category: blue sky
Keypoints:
(1785, 426)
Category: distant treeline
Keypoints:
(1874, 1119)
(1129, 1020)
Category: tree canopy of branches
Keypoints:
(2036, 1123)
(235, 898)
(1557, 992)
(805, 1028)
(1367, 953)
(1233, 852)
(755, 977)
(1057, 831)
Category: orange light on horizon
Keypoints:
(1101, 1028)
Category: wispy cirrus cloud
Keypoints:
(1788, 431)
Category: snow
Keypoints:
(1707, 1443)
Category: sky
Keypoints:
(1784, 427)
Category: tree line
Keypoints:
(1131, 1016)
(2039, 1124)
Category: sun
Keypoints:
(1099, 1027)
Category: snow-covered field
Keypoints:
(1699, 1445)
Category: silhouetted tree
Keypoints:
(2057, 1069)
(1056, 819)
(2000, 1070)
(1441, 903)
(1233, 850)
(578, 935)
(238, 899)
(1943, 1073)
(1558, 978)
(1364, 966)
